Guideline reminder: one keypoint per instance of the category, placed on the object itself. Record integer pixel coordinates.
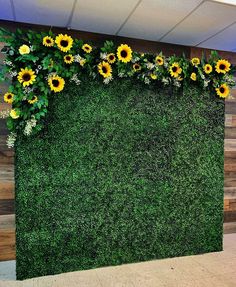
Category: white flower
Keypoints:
(147, 81)
(4, 114)
(134, 60)
(107, 80)
(30, 124)
(77, 58)
(11, 140)
(103, 56)
(121, 75)
(75, 79)
(177, 83)
(165, 81)
(150, 66)
(206, 82)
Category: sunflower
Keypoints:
(8, 98)
(222, 66)
(33, 100)
(159, 60)
(56, 83)
(193, 77)
(175, 70)
(26, 77)
(136, 67)
(222, 91)
(207, 68)
(195, 61)
(64, 42)
(87, 48)
(124, 53)
(14, 114)
(153, 76)
(68, 59)
(48, 41)
(111, 58)
(24, 49)
(105, 69)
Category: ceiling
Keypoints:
(202, 23)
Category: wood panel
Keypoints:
(7, 244)
(7, 219)
(7, 216)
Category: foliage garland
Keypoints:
(41, 63)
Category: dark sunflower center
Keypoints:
(222, 66)
(86, 48)
(48, 41)
(104, 69)
(9, 96)
(174, 69)
(111, 57)
(64, 43)
(68, 58)
(34, 98)
(136, 67)
(222, 90)
(26, 77)
(55, 83)
(123, 54)
(208, 68)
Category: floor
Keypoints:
(212, 269)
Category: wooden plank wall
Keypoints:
(7, 217)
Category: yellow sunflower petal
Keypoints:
(48, 41)
(207, 68)
(223, 91)
(105, 69)
(68, 59)
(56, 83)
(87, 48)
(8, 98)
(124, 53)
(26, 77)
(64, 42)
(222, 66)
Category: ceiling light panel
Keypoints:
(154, 18)
(53, 13)
(6, 10)
(103, 16)
(207, 20)
(225, 40)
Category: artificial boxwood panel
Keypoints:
(121, 173)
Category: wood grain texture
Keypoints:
(7, 244)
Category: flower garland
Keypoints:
(40, 64)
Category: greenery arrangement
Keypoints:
(120, 173)
(41, 64)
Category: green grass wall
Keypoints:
(122, 173)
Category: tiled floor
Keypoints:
(209, 270)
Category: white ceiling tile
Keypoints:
(153, 18)
(225, 40)
(5, 10)
(53, 13)
(103, 16)
(208, 19)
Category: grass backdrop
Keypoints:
(121, 173)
